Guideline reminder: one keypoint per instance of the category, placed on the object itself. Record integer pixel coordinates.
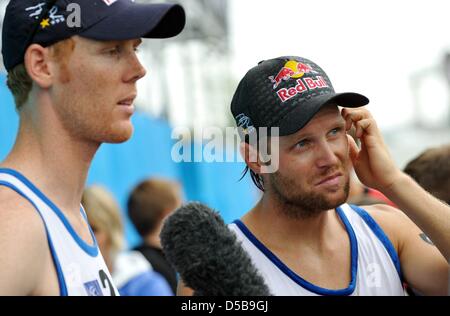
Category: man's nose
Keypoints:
(137, 71)
(326, 155)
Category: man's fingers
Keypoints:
(361, 119)
(348, 123)
(366, 126)
(354, 111)
(355, 115)
(353, 148)
(361, 126)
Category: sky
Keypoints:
(391, 51)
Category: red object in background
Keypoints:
(379, 196)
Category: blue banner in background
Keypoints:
(9, 120)
(148, 154)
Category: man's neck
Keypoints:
(268, 221)
(153, 240)
(54, 161)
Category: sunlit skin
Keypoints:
(96, 89)
(300, 198)
(82, 96)
(313, 174)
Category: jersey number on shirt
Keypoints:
(104, 279)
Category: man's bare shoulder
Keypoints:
(13, 206)
(381, 208)
(19, 220)
(391, 220)
(384, 214)
(23, 243)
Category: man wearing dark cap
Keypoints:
(301, 235)
(74, 85)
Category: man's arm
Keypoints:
(22, 244)
(375, 168)
(423, 266)
(431, 215)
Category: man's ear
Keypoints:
(37, 64)
(251, 157)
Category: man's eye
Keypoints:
(335, 131)
(113, 51)
(302, 143)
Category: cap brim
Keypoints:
(140, 20)
(298, 118)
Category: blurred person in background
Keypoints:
(149, 204)
(431, 169)
(131, 272)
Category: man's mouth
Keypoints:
(128, 101)
(330, 180)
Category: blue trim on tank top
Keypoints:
(60, 274)
(298, 279)
(84, 214)
(381, 235)
(88, 249)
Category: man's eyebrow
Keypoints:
(296, 138)
(334, 124)
(340, 121)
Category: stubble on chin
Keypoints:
(304, 205)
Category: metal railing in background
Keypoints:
(189, 82)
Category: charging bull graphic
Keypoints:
(292, 69)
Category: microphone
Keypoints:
(207, 255)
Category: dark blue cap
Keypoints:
(46, 22)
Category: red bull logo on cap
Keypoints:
(292, 69)
(296, 70)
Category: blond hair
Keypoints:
(104, 215)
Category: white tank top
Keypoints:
(80, 267)
(375, 267)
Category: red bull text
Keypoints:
(303, 85)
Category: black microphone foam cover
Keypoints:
(207, 254)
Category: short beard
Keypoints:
(303, 205)
(90, 124)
